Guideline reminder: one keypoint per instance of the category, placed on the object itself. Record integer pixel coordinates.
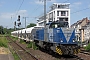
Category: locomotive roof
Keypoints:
(14, 32)
(19, 31)
(29, 30)
(23, 31)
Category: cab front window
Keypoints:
(57, 25)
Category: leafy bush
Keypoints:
(88, 47)
(35, 47)
(29, 45)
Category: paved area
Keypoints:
(5, 54)
(6, 57)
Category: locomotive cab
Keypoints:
(58, 32)
(57, 24)
(63, 38)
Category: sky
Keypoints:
(33, 9)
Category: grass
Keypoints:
(16, 57)
(3, 41)
(22, 41)
(14, 38)
(32, 45)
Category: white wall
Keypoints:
(55, 15)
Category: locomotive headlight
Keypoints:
(73, 40)
(61, 40)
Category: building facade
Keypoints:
(87, 31)
(58, 12)
(82, 29)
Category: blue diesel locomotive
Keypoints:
(58, 39)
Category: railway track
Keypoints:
(85, 52)
(72, 57)
(25, 55)
(64, 57)
(84, 55)
(22, 52)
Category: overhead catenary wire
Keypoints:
(65, 1)
(43, 12)
(17, 10)
(19, 7)
(50, 0)
(13, 16)
(36, 9)
(80, 10)
(41, 6)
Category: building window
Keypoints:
(57, 13)
(63, 13)
(61, 19)
(66, 19)
(52, 16)
(54, 19)
(59, 6)
(67, 13)
(66, 6)
(63, 6)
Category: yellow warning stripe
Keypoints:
(76, 51)
(58, 50)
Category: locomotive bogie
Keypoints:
(67, 49)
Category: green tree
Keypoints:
(31, 25)
(5, 30)
(1, 30)
(88, 47)
(9, 30)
